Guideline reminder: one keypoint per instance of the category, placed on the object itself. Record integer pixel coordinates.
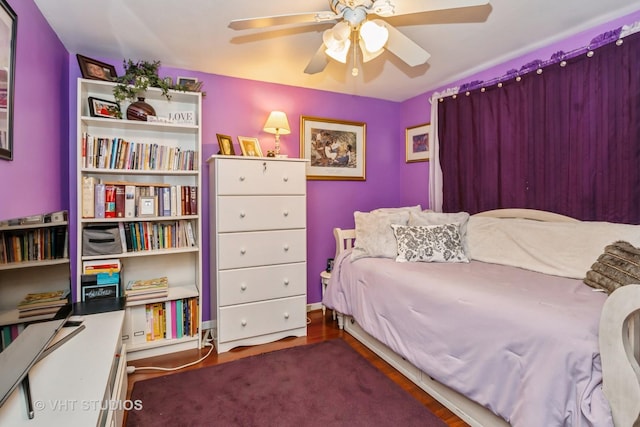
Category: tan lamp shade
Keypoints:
(277, 123)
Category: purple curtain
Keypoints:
(564, 138)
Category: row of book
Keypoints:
(48, 218)
(130, 200)
(100, 279)
(117, 153)
(34, 244)
(172, 319)
(146, 236)
(147, 289)
(42, 303)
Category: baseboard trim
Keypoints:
(314, 306)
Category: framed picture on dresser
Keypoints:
(250, 146)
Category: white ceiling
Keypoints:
(194, 35)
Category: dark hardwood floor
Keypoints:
(320, 328)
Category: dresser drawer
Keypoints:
(260, 176)
(244, 213)
(260, 318)
(254, 249)
(261, 283)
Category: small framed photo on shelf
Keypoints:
(96, 70)
(417, 141)
(250, 146)
(103, 108)
(189, 83)
(226, 145)
(147, 206)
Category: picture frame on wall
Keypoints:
(96, 70)
(103, 108)
(334, 148)
(250, 146)
(226, 145)
(417, 143)
(8, 35)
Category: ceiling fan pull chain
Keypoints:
(354, 70)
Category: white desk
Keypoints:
(71, 386)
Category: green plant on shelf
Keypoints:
(138, 77)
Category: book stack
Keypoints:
(100, 279)
(147, 289)
(41, 303)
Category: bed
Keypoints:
(513, 336)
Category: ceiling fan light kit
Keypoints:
(373, 36)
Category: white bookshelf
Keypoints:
(21, 276)
(182, 265)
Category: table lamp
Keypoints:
(277, 123)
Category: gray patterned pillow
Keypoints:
(429, 243)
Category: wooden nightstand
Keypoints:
(324, 278)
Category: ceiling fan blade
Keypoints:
(318, 62)
(406, 7)
(405, 48)
(295, 18)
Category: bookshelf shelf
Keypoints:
(34, 258)
(175, 292)
(33, 264)
(132, 124)
(158, 165)
(138, 172)
(145, 253)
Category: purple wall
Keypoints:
(240, 107)
(35, 181)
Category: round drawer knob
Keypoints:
(243, 322)
(242, 214)
(243, 287)
(285, 179)
(242, 178)
(286, 248)
(285, 213)
(286, 315)
(243, 251)
(286, 282)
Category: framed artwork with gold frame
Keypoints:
(417, 141)
(335, 149)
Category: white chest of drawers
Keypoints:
(258, 249)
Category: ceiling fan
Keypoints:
(354, 28)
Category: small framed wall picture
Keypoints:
(417, 141)
(103, 108)
(250, 146)
(96, 70)
(226, 145)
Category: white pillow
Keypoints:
(374, 235)
(439, 218)
(416, 209)
(429, 243)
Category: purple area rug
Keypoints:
(323, 384)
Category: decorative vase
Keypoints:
(139, 110)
